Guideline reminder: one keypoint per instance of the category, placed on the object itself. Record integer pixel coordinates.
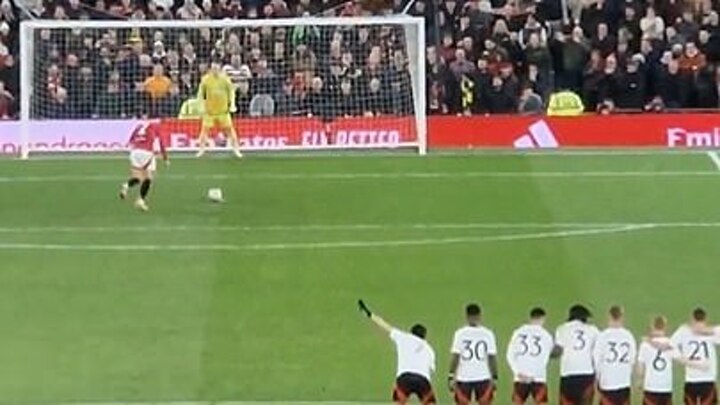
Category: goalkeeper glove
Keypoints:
(364, 309)
(233, 108)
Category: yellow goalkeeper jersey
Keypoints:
(217, 92)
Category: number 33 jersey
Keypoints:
(577, 340)
(529, 352)
(473, 345)
(698, 349)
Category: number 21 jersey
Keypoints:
(473, 345)
(697, 348)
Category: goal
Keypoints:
(301, 84)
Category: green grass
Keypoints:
(257, 301)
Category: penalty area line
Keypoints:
(350, 244)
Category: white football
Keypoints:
(215, 195)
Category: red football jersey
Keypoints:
(144, 136)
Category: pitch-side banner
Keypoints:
(650, 130)
(635, 130)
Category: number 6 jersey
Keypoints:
(473, 345)
(658, 365)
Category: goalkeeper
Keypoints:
(217, 96)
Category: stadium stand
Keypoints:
(483, 56)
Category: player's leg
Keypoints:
(521, 392)
(145, 183)
(653, 398)
(709, 394)
(208, 123)
(539, 393)
(588, 390)
(137, 160)
(228, 128)
(485, 393)
(463, 393)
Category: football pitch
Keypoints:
(255, 299)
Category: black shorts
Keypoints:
(704, 393)
(409, 384)
(523, 391)
(482, 391)
(577, 389)
(615, 397)
(657, 398)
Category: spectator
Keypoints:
(7, 102)
(532, 27)
(287, 101)
(530, 102)
(319, 100)
(536, 53)
(631, 87)
(498, 100)
(347, 102)
(673, 87)
(692, 59)
(651, 25)
(158, 85)
(603, 41)
(687, 28)
(374, 105)
(461, 66)
(592, 76)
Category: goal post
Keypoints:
(311, 83)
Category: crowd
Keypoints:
(483, 56)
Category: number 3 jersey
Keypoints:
(577, 340)
(658, 365)
(699, 349)
(614, 356)
(473, 345)
(529, 352)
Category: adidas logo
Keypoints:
(540, 136)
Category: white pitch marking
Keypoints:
(715, 159)
(369, 175)
(347, 227)
(323, 245)
(310, 227)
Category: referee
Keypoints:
(415, 360)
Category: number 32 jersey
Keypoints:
(529, 352)
(577, 340)
(473, 345)
(614, 356)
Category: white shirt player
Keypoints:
(414, 355)
(473, 345)
(577, 340)
(529, 352)
(614, 356)
(699, 349)
(658, 366)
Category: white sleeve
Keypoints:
(510, 354)
(456, 347)
(676, 340)
(492, 345)
(433, 365)
(633, 349)
(597, 352)
(716, 331)
(395, 335)
(559, 337)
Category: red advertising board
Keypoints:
(692, 130)
(303, 132)
(634, 130)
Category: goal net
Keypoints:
(305, 83)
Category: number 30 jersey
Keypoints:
(658, 366)
(473, 345)
(577, 340)
(529, 352)
(698, 349)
